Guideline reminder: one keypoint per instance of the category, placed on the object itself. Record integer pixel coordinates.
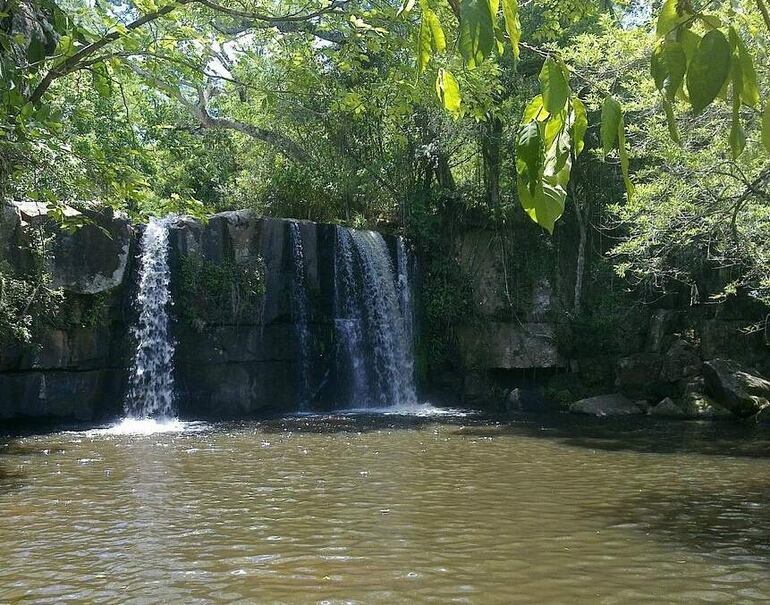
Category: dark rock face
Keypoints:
(741, 391)
(249, 363)
(93, 259)
(237, 351)
(76, 367)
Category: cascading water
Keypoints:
(299, 310)
(348, 321)
(375, 344)
(151, 384)
(405, 291)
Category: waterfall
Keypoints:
(299, 311)
(348, 322)
(151, 384)
(405, 290)
(373, 321)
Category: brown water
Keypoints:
(384, 510)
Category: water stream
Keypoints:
(373, 321)
(299, 311)
(151, 383)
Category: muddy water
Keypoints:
(389, 509)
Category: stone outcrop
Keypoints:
(741, 391)
(614, 404)
(668, 408)
(76, 367)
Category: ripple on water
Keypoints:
(354, 509)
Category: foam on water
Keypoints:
(143, 426)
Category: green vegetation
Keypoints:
(649, 131)
(216, 293)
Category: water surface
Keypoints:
(383, 509)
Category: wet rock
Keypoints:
(668, 408)
(508, 345)
(681, 361)
(741, 391)
(614, 404)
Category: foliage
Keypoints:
(219, 293)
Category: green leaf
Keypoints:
(554, 86)
(766, 127)
(612, 115)
(535, 111)
(737, 138)
(708, 70)
(477, 31)
(448, 90)
(512, 24)
(673, 131)
(424, 44)
(749, 89)
(668, 66)
(579, 125)
(670, 17)
(529, 158)
(437, 34)
(624, 162)
(101, 80)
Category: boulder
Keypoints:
(614, 404)
(667, 407)
(741, 391)
(680, 361)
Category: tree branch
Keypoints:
(199, 110)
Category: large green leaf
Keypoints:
(749, 91)
(579, 125)
(708, 69)
(668, 66)
(554, 86)
(424, 44)
(535, 111)
(448, 90)
(766, 127)
(512, 24)
(624, 161)
(529, 158)
(477, 31)
(611, 117)
(437, 34)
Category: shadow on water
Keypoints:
(348, 423)
(638, 434)
(731, 523)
